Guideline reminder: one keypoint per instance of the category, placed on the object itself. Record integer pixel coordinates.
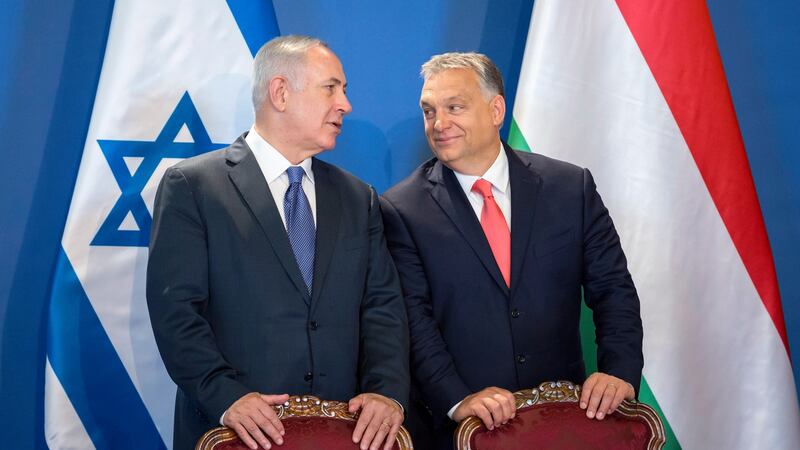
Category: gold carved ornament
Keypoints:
(300, 406)
(567, 392)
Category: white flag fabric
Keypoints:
(175, 83)
(635, 91)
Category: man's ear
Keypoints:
(498, 105)
(278, 92)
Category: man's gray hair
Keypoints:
(489, 75)
(284, 56)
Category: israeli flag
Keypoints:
(175, 83)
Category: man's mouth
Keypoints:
(444, 140)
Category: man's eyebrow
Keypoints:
(335, 81)
(458, 97)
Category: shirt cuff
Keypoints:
(222, 418)
(453, 409)
(402, 410)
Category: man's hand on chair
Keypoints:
(253, 419)
(602, 393)
(378, 422)
(494, 406)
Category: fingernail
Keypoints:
(279, 441)
(583, 405)
(600, 415)
(590, 414)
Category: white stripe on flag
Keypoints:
(713, 357)
(62, 427)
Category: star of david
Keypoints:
(132, 182)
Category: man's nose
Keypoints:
(441, 122)
(344, 104)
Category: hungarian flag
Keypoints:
(636, 92)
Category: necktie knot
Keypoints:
(483, 188)
(295, 174)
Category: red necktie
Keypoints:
(496, 229)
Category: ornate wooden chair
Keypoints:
(549, 417)
(310, 423)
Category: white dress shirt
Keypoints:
(273, 165)
(497, 175)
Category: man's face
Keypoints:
(316, 111)
(462, 127)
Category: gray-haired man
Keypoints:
(268, 271)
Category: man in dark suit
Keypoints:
(268, 272)
(494, 249)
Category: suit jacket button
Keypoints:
(515, 313)
(309, 376)
(521, 359)
(313, 324)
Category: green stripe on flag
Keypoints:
(517, 140)
(590, 360)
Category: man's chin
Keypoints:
(328, 146)
(445, 154)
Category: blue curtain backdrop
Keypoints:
(50, 60)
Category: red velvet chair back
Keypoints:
(310, 424)
(549, 417)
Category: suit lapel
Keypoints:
(328, 218)
(246, 175)
(525, 185)
(448, 194)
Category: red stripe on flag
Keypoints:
(678, 43)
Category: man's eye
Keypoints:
(428, 113)
(456, 108)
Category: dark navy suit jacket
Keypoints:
(229, 308)
(468, 329)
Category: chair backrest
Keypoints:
(549, 417)
(310, 423)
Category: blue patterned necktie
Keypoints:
(300, 224)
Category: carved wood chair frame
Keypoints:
(565, 391)
(299, 406)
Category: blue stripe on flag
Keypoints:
(89, 369)
(256, 20)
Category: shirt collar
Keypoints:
(273, 164)
(497, 174)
